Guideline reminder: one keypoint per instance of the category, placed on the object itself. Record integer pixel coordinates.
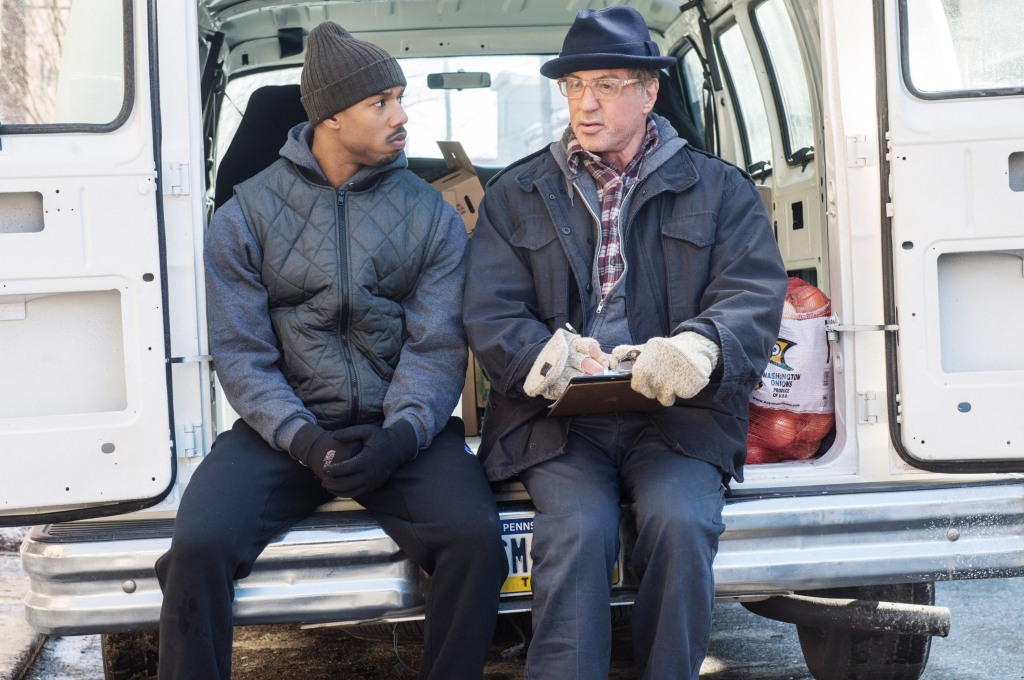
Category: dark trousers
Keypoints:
(677, 503)
(438, 508)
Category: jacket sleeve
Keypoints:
(741, 307)
(431, 370)
(242, 341)
(504, 324)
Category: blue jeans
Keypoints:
(677, 502)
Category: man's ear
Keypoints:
(331, 122)
(651, 90)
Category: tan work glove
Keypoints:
(561, 360)
(667, 368)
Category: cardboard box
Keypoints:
(460, 187)
(474, 397)
(470, 412)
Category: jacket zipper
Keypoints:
(622, 251)
(344, 304)
(590, 209)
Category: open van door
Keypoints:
(955, 97)
(84, 392)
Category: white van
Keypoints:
(886, 137)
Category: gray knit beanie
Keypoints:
(340, 71)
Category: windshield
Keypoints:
(519, 113)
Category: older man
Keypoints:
(652, 250)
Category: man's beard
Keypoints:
(387, 160)
(391, 157)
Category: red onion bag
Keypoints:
(792, 408)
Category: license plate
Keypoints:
(517, 537)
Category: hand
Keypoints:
(624, 356)
(667, 368)
(381, 450)
(565, 356)
(314, 447)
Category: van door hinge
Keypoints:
(859, 153)
(833, 328)
(868, 407)
(192, 436)
(176, 179)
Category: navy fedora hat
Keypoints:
(613, 37)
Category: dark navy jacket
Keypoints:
(700, 254)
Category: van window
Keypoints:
(746, 92)
(62, 62)
(782, 53)
(519, 113)
(961, 48)
(693, 82)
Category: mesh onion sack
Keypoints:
(792, 408)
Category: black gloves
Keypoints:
(357, 459)
(384, 449)
(314, 447)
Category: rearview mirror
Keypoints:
(460, 80)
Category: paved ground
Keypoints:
(17, 639)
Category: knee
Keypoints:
(597, 528)
(477, 536)
(590, 535)
(680, 529)
(198, 547)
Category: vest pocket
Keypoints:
(383, 370)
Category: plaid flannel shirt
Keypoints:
(612, 187)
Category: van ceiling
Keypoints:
(422, 27)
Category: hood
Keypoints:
(298, 149)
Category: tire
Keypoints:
(130, 656)
(839, 654)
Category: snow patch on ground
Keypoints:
(68, 658)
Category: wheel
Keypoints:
(130, 656)
(839, 654)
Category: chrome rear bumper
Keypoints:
(94, 577)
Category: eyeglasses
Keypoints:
(603, 88)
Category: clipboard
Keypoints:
(607, 393)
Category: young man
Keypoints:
(652, 250)
(333, 282)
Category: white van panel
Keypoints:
(958, 258)
(84, 404)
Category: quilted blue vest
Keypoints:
(337, 266)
